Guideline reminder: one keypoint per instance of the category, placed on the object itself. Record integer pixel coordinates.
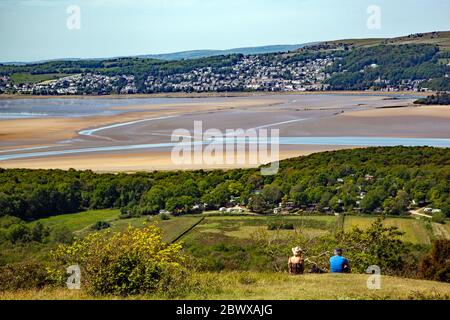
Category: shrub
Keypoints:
(7, 221)
(23, 275)
(61, 234)
(18, 233)
(436, 265)
(134, 211)
(439, 218)
(101, 225)
(377, 245)
(39, 232)
(280, 225)
(164, 216)
(135, 261)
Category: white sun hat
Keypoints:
(297, 251)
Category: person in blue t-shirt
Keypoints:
(339, 264)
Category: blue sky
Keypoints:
(36, 29)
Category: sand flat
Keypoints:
(404, 122)
(410, 111)
(204, 105)
(142, 161)
(51, 130)
(309, 115)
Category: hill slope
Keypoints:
(195, 54)
(277, 286)
(182, 55)
(440, 38)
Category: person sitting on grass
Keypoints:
(339, 264)
(296, 263)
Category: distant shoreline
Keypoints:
(205, 95)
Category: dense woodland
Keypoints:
(372, 181)
(441, 98)
(379, 66)
(120, 66)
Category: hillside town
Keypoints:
(279, 72)
(74, 84)
(251, 73)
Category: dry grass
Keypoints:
(415, 230)
(328, 286)
(277, 286)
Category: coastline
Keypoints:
(208, 94)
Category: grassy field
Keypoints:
(239, 227)
(276, 286)
(415, 230)
(18, 78)
(80, 223)
(172, 228)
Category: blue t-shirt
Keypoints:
(336, 264)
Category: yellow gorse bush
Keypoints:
(135, 261)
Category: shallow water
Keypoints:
(91, 106)
(335, 141)
(76, 107)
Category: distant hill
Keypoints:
(440, 38)
(186, 55)
(195, 54)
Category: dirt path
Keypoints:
(419, 214)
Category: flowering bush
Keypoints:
(135, 261)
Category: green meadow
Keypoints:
(81, 223)
(242, 227)
(416, 231)
(35, 78)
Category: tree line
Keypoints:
(140, 67)
(379, 66)
(441, 98)
(373, 180)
